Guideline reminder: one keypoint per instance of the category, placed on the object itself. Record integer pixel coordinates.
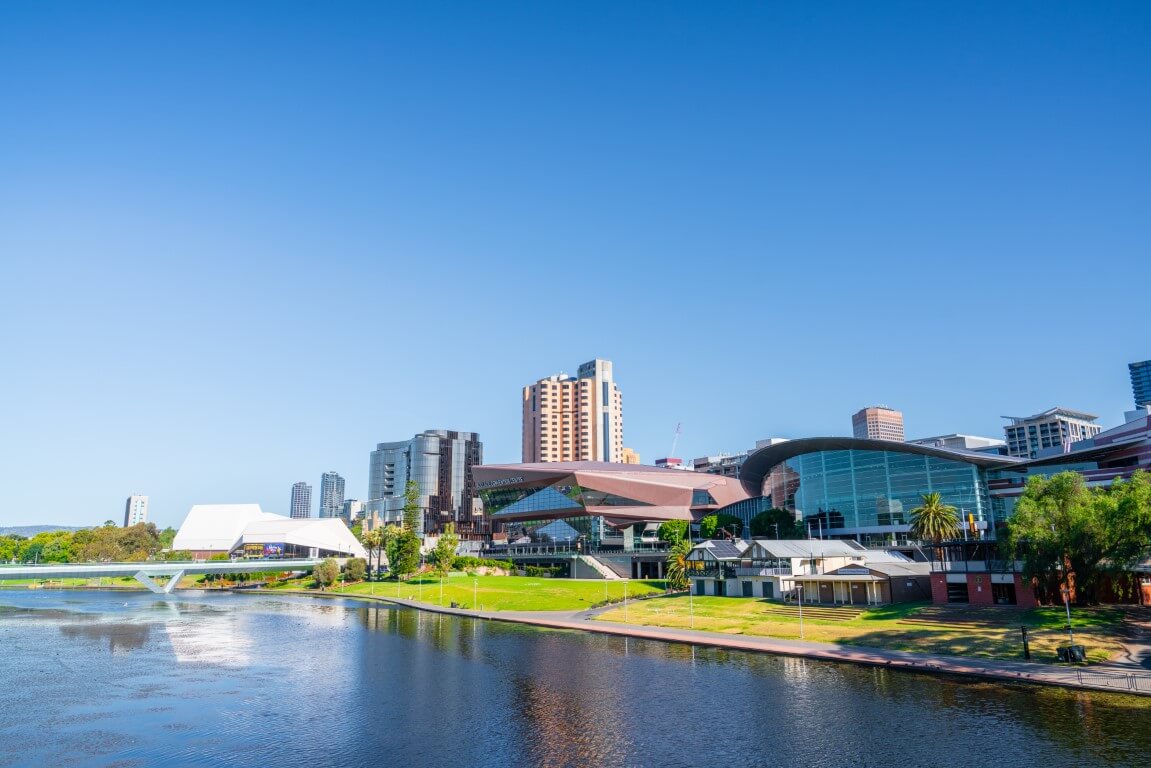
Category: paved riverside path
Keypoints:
(1095, 677)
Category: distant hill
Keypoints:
(28, 531)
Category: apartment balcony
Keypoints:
(765, 571)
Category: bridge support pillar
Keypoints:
(147, 581)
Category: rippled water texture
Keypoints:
(97, 678)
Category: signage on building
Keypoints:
(273, 550)
(852, 572)
(501, 481)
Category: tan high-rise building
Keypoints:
(574, 418)
(878, 423)
(629, 457)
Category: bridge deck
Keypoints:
(149, 568)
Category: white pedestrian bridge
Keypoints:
(146, 572)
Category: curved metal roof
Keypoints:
(759, 463)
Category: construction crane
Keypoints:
(675, 440)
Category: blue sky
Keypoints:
(240, 243)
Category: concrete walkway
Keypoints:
(1112, 678)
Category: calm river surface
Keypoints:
(130, 679)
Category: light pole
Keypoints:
(1067, 604)
(799, 590)
(625, 601)
(475, 588)
(691, 604)
(441, 588)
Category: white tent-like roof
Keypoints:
(217, 527)
(223, 527)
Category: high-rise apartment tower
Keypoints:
(331, 494)
(1141, 382)
(877, 422)
(574, 418)
(1055, 428)
(301, 500)
(136, 510)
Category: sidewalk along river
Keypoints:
(94, 678)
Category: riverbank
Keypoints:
(1111, 680)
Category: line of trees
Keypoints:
(107, 543)
(1070, 536)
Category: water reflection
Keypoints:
(118, 636)
(230, 680)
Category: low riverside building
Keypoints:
(772, 568)
(869, 583)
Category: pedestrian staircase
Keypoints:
(603, 569)
(820, 612)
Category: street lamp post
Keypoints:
(799, 590)
(625, 601)
(690, 605)
(1067, 604)
(475, 588)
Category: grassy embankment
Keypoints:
(979, 632)
(497, 593)
(126, 582)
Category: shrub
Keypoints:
(356, 569)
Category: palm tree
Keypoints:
(677, 565)
(934, 521)
(373, 541)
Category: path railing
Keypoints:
(1123, 681)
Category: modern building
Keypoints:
(1141, 382)
(877, 422)
(964, 443)
(331, 494)
(600, 505)
(629, 457)
(135, 510)
(1053, 430)
(671, 462)
(728, 464)
(725, 464)
(578, 418)
(842, 487)
(301, 500)
(441, 463)
(353, 510)
(245, 530)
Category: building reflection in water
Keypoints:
(120, 636)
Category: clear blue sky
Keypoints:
(240, 243)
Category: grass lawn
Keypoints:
(981, 632)
(500, 593)
(105, 583)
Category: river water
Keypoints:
(131, 679)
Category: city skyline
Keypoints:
(768, 172)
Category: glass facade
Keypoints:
(850, 491)
(440, 462)
(554, 496)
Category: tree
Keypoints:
(445, 552)
(720, 526)
(412, 509)
(933, 520)
(356, 569)
(673, 531)
(388, 536)
(404, 554)
(1060, 532)
(326, 573)
(777, 523)
(677, 565)
(373, 541)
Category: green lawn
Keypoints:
(105, 583)
(919, 627)
(502, 593)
